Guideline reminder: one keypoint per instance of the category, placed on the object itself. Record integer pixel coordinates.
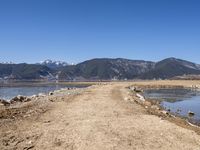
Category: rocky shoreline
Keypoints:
(26, 106)
(153, 106)
(22, 98)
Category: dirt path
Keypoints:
(99, 118)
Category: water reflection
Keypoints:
(178, 101)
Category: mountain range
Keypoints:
(99, 69)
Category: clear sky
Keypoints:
(77, 30)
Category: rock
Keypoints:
(158, 102)
(132, 88)
(190, 113)
(48, 121)
(126, 99)
(155, 107)
(169, 110)
(30, 142)
(138, 90)
(34, 96)
(165, 112)
(51, 93)
(29, 147)
(135, 89)
(140, 97)
(41, 95)
(18, 98)
(4, 102)
(27, 99)
(51, 100)
(195, 86)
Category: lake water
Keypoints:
(10, 90)
(179, 101)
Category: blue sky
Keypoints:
(77, 30)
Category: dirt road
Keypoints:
(100, 118)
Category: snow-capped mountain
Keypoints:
(53, 64)
(9, 62)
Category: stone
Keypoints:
(18, 98)
(51, 93)
(132, 88)
(126, 99)
(190, 113)
(138, 90)
(34, 96)
(4, 102)
(165, 112)
(41, 95)
(155, 107)
(27, 99)
(140, 97)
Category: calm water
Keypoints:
(8, 91)
(179, 101)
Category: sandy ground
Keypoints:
(100, 117)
